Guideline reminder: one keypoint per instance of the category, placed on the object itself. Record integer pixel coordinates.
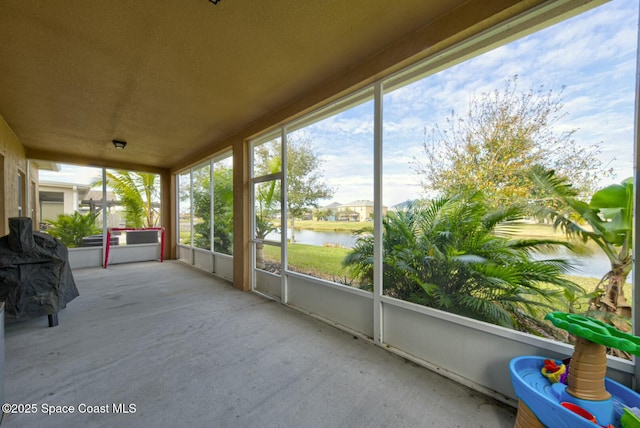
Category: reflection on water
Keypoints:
(594, 265)
(312, 237)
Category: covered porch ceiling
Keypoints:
(175, 79)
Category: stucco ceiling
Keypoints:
(174, 77)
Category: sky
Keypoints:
(592, 56)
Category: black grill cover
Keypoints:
(35, 276)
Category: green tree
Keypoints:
(305, 181)
(222, 209)
(501, 137)
(71, 228)
(138, 193)
(322, 214)
(267, 207)
(201, 181)
(267, 161)
(457, 255)
(609, 216)
(306, 186)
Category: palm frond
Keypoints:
(446, 254)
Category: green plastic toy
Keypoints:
(595, 331)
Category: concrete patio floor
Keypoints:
(175, 346)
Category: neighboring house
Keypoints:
(56, 198)
(59, 198)
(360, 210)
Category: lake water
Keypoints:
(312, 237)
(595, 265)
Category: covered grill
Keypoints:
(35, 276)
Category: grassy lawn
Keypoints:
(321, 262)
(589, 284)
(185, 237)
(545, 231)
(539, 231)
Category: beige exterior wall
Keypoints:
(51, 210)
(12, 163)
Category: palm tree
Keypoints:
(267, 199)
(456, 255)
(71, 228)
(138, 193)
(609, 224)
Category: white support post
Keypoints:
(212, 219)
(377, 218)
(105, 226)
(191, 211)
(252, 221)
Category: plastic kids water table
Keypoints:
(587, 386)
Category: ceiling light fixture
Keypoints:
(120, 145)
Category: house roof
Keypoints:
(332, 205)
(359, 203)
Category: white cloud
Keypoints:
(72, 174)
